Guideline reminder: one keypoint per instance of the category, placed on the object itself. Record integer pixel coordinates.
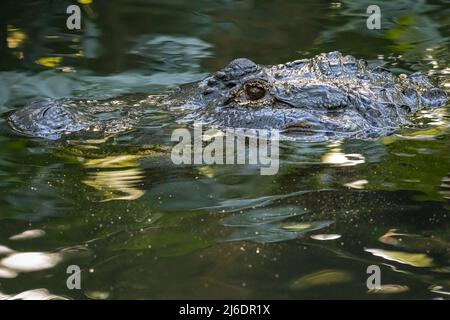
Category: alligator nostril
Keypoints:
(406, 108)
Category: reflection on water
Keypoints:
(412, 259)
(389, 289)
(140, 227)
(321, 278)
(28, 234)
(118, 179)
(358, 184)
(117, 185)
(428, 243)
(325, 237)
(265, 225)
(30, 261)
(336, 157)
(12, 263)
(36, 294)
(445, 187)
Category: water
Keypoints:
(140, 227)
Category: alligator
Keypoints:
(330, 96)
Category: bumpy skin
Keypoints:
(327, 97)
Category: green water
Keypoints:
(141, 227)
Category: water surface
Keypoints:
(141, 227)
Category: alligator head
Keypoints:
(48, 119)
(329, 96)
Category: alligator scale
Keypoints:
(329, 96)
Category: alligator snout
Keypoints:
(47, 119)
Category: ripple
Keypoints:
(358, 184)
(417, 242)
(5, 250)
(116, 177)
(276, 232)
(7, 273)
(445, 187)
(389, 289)
(237, 205)
(439, 290)
(117, 184)
(337, 157)
(321, 278)
(325, 237)
(261, 216)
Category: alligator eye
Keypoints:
(254, 91)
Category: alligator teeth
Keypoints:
(445, 187)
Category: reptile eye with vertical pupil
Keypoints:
(254, 92)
